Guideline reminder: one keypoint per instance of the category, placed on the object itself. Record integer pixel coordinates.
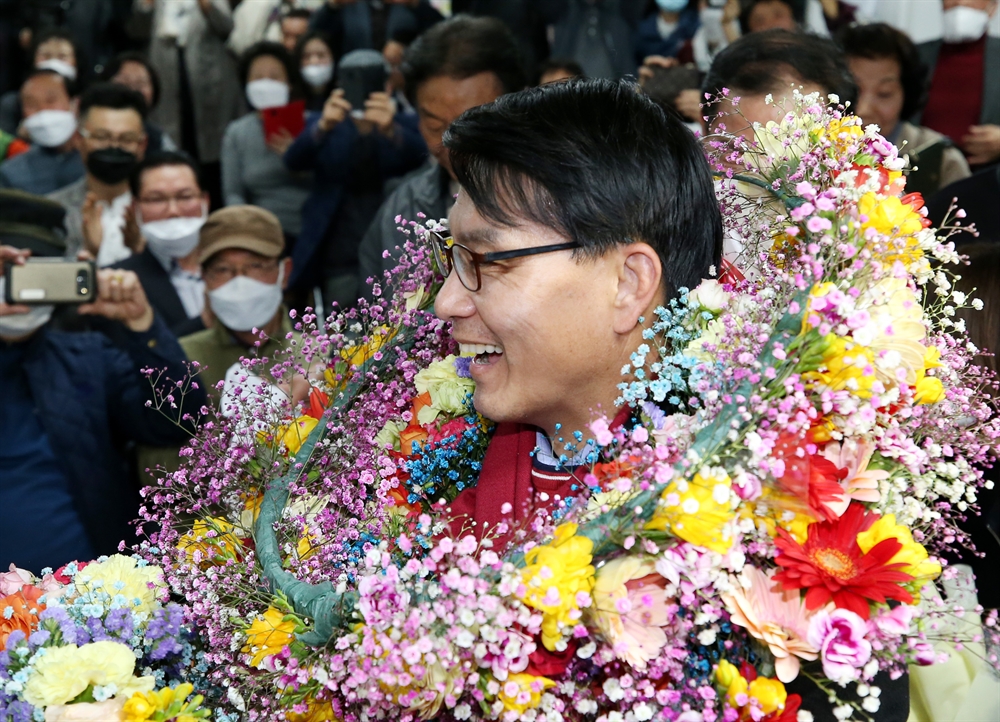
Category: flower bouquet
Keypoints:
(95, 642)
(770, 508)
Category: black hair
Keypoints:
(133, 56)
(879, 40)
(568, 64)
(797, 8)
(158, 160)
(112, 95)
(404, 35)
(597, 161)
(462, 47)
(769, 61)
(54, 34)
(71, 86)
(300, 13)
(275, 50)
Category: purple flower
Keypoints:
(840, 638)
(462, 367)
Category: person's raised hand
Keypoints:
(131, 233)
(93, 228)
(280, 141)
(982, 144)
(651, 62)
(380, 111)
(120, 297)
(16, 256)
(688, 104)
(335, 110)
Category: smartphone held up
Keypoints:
(50, 281)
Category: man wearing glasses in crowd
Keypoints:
(111, 141)
(170, 207)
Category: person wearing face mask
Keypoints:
(314, 59)
(170, 207)
(240, 249)
(51, 50)
(963, 102)
(111, 141)
(71, 401)
(252, 169)
(669, 31)
(50, 123)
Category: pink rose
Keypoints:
(12, 581)
(108, 711)
(840, 638)
(895, 623)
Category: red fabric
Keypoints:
(956, 96)
(506, 479)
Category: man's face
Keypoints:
(170, 191)
(771, 14)
(56, 49)
(46, 91)
(756, 109)
(985, 5)
(226, 265)
(136, 76)
(552, 315)
(291, 30)
(107, 127)
(442, 99)
(880, 92)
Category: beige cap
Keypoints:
(248, 227)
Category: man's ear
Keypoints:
(640, 280)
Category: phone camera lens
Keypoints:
(82, 283)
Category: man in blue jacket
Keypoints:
(70, 403)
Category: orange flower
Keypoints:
(412, 434)
(19, 612)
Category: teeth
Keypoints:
(474, 349)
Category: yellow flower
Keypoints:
(317, 712)
(122, 575)
(769, 693)
(848, 366)
(296, 433)
(448, 390)
(891, 217)
(928, 389)
(555, 573)
(215, 549)
(913, 555)
(165, 704)
(268, 635)
(522, 692)
(726, 673)
(359, 354)
(140, 707)
(842, 133)
(63, 673)
(697, 511)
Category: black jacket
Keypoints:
(161, 293)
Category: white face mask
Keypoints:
(244, 303)
(174, 237)
(51, 128)
(60, 66)
(963, 24)
(317, 75)
(22, 324)
(267, 93)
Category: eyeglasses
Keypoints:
(186, 203)
(454, 256)
(102, 139)
(223, 274)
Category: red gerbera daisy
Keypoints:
(831, 567)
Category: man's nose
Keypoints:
(453, 300)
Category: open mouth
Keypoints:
(483, 354)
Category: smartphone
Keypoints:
(51, 280)
(291, 117)
(360, 81)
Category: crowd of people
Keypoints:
(222, 163)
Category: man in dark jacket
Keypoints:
(459, 64)
(365, 25)
(70, 403)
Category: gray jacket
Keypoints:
(72, 198)
(216, 93)
(425, 190)
(990, 113)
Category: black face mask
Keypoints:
(111, 165)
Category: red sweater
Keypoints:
(956, 95)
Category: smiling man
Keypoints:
(582, 208)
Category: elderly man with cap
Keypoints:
(240, 251)
(71, 401)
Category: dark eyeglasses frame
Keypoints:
(444, 250)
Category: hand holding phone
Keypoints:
(12, 256)
(120, 297)
(334, 111)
